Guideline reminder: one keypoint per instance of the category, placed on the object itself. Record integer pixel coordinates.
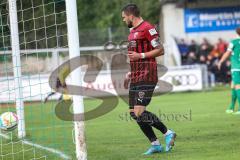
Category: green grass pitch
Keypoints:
(204, 130)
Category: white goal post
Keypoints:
(74, 51)
(17, 67)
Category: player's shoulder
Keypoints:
(148, 25)
(236, 40)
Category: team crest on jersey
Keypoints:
(135, 35)
(132, 44)
(152, 31)
(141, 94)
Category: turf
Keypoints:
(204, 130)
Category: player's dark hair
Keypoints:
(131, 9)
(238, 31)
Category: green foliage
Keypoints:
(107, 13)
(95, 16)
(42, 23)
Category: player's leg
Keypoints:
(136, 113)
(142, 97)
(49, 95)
(153, 120)
(142, 120)
(237, 88)
(233, 93)
(233, 99)
(58, 85)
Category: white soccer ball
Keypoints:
(8, 121)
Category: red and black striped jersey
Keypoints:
(143, 38)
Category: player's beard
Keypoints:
(130, 25)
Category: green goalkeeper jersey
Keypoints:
(234, 47)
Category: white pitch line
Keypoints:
(55, 151)
(61, 154)
(56, 126)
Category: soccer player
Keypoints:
(60, 83)
(233, 51)
(143, 48)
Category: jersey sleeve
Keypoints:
(230, 47)
(153, 37)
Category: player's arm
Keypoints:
(127, 80)
(225, 56)
(153, 37)
(159, 51)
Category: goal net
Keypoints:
(41, 35)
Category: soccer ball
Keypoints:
(8, 121)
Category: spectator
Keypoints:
(210, 66)
(191, 59)
(228, 66)
(205, 47)
(202, 59)
(222, 46)
(226, 72)
(208, 44)
(183, 49)
(210, 63)
(215, 52)
(193, 47)
(209, 55)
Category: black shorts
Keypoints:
(140, 94)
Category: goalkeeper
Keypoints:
(60, 83)
(233, 51)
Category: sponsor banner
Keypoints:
(184, 79)
(211, 19)
(36, 88)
